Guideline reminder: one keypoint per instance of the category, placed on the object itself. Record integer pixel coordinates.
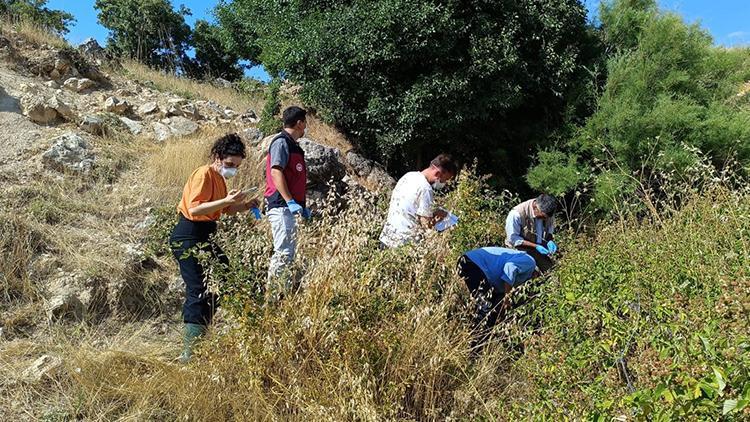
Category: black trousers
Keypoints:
(486, 299)
(188, 238)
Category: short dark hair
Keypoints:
(546, 204)
(446, 163)
(227, 145)
(292, 115)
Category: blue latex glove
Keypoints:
(294, 207)
(306, 213)
(542, 250)
(256, 213)
(552, 246)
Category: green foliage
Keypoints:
(556, 173)
(269, 121)
(149, 31)
(212, 56)
(646, 320)
(406, 78)
(55, 21)
(668, 90)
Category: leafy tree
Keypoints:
(212, 57)
(670, 96)
(406, 78)
(150, 31)
(56, 21)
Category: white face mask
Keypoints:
(304, 134)
(228, 172)
(437, 185)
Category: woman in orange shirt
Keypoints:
(204, 200)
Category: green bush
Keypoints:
(668, 90)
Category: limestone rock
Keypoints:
(91, 48)
(64, 303)
(161, 131)
(148, 108)
(252, 135)
(323, 163)
(45, 366)
(69, 152)
(133, 126)
(371, 171)
(249, 116)
(93, 124)
(116, 105)
(79, 84)
(43, 110)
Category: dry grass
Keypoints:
(32, 33)
(190, 88)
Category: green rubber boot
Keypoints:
(190, 337)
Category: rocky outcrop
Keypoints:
(69, 152)
(79, 84)
(372, 172)
(63, 303)
(324, 164)
(148, 108)
(91, 49)
(117, 106)
(45, 110)
(92, 124)
(176, 126)
(135, 127)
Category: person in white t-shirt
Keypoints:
(411, 207)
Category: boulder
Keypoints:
(161, 131)
(116, 105)
(52, 84)
(222, 83)
(190, 111)
(180, 126)
(46, 366)
(133, 126)
(78, 84)
(252, 135)
(91, 48)
(323, 163)
(376, 176)
(64, 303)
(122, 92)
(148, 108)
(229, 113)
(69, 152)
(43, 110)
(92, 124)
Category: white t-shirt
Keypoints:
(411, 197)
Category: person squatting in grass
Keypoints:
(529, 227)
(490, 273)
(204, 200)
(411, 206)
(286, 184)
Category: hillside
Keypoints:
(645, 317)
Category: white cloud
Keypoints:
(738, 34)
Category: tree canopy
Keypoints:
(56, 21)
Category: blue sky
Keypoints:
(727, 20)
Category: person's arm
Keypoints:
(550, 229)
(242, 207)
(513, 226)
(426, 215)
(277, 175)
(234, 197)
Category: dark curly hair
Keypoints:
(229, 144)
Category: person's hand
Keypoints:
(440, 214)
(542, 250)
(294, 207)
(552, 246)
(234, 197)
(306, 213)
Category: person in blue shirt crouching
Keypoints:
(490, 274)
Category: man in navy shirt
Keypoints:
(286, 181)
(490, 274)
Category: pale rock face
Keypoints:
(150, 107)
(44, 110)
(79, 84)
(116, 105)
(69, 152)
(161, 131)
(133, 126)
(92, 124)
(44, 367)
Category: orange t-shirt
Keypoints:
(204, 185)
